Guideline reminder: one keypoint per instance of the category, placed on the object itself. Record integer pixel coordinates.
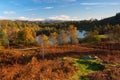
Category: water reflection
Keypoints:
(81, 34)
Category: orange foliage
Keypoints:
(29, 64)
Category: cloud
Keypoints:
(100, 4)
(63, 18)
(2, 17)
(29, 19)
(5, 18)
(48, 7)
(60, 17)
(9, 12)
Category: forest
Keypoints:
(51, 50)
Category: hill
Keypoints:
(111, 20)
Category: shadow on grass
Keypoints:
(92, 65)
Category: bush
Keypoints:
(1, 47)
(93, 39)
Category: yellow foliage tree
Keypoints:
(44, 42)
(73, 34)
(53, 38)
(63, 38)
(26, 36)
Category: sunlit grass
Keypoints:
(85, 66)
(103, 36)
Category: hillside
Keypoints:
(86, 25)
(111, 20)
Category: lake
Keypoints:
(81, 34)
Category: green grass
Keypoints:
(85, 66)
(103, 36)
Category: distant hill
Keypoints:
(111, 20)
(86, 25)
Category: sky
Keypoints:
(58, 9)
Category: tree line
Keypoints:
(24, 33)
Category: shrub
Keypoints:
(93, 39)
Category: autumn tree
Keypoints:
(25, 36)
(53, 38)
(115, 35)
(92, 37)
(63, 37)
(44, 42)
(3, 38)
(73, 34)
(12, 34)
